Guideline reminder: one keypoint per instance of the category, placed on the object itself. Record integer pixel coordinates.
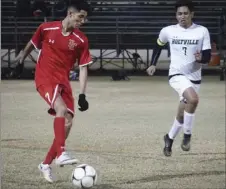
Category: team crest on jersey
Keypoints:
(72, 44)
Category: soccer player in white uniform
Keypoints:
(190, 48)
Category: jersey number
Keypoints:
(185, 50)
(48, 97)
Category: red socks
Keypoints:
(59, 130)
(59, 142)
(51, 154)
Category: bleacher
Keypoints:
(139, 24)
(131, 24)
(118, 24)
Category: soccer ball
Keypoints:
(84, 176)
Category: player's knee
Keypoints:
(194, 100)
(61, 110)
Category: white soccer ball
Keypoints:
(84, 176)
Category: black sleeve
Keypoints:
(156, 53)
(206, 56)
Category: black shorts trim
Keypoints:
(193, 81)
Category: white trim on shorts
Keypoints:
(69, 110)
(54, 95)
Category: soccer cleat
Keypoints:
(185, 145)
(65, 159)
(168, 145)
(46, 171)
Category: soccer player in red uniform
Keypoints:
(60, 45)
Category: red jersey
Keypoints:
(58, 53)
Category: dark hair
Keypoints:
(185, 3)
(80, 5)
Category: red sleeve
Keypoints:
(85, 57)
(37, 38)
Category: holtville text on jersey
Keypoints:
(185, 41)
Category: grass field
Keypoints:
(121, 136)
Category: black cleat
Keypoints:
(168, 145)
(185, 145)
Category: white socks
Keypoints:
(175, 129)
(187, 125)
(188, 122)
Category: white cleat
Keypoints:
(65, 159)
(46, 171)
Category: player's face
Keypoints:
(184, 16)
(76, 19)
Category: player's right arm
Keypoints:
(27, 50)
(35, 42)
(160, 43)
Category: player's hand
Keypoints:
(198, 56)
(151, 70)
(82, 102)
(19, 67)
(18, 70)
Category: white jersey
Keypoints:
(184, 43)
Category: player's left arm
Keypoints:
(205, 55)
(84, 60)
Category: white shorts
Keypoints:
(180, 83)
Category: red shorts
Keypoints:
(50, 92)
